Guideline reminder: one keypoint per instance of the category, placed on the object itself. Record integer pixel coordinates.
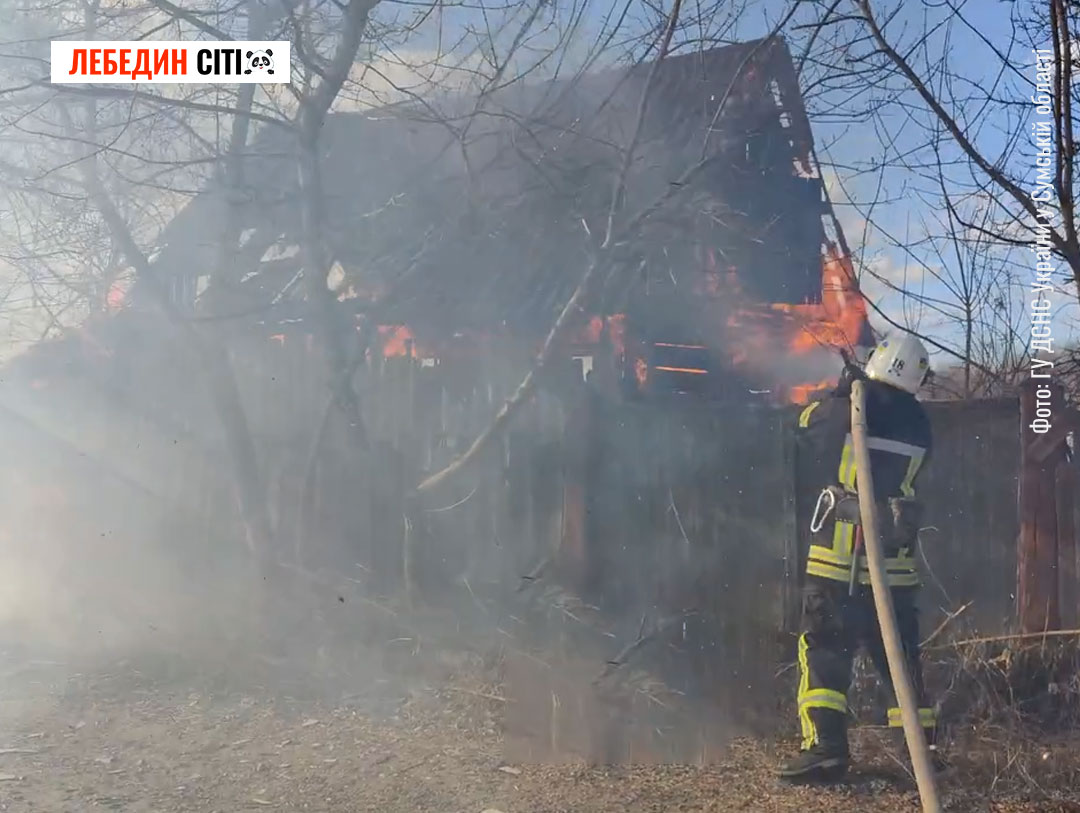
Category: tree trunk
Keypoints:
(337, 333)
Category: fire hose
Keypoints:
(886, 614)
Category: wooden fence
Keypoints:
(670, 520)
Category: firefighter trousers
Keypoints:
(835, 624)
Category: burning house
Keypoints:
(457, 230)
(464, 222)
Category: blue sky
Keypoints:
(905, 201)
(909, 203)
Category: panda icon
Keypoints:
(260, 61)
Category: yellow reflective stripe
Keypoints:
(809, 732)
(927, 718)
(842, 573)
(846, 473)
(843, 540)
(907, 488)
(916, 454)
(826, 571)
(823, 699)
(924, 713)
(896, 579)
(900, 564)
(804, 416)
(830, 556)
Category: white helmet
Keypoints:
(900, 361)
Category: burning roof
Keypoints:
(489, 233)
(496, 230)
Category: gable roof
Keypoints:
(485, 213)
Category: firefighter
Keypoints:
(838, 606)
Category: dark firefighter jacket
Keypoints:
(899, 440)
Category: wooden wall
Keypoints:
(672, 519)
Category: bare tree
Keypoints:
(126, 161)
(315, 101)
(973, 114)
(943, 174)
(620, 226)
(113, 164)
(961, 282)
(344, 58)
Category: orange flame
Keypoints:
(617, 332)
(641, 372)
(803, 393)
(398, 341)
(117, 295)
(687, 370)
(765, 333)
(754, 333)
(592, 332)
(841, 299)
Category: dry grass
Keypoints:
(1012, 711)
(161, 748)
(426, 731)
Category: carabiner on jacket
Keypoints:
(818, 520)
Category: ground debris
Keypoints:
(437, 750)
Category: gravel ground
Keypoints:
(129, 744)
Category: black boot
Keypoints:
(825, 757)
(819, 763)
